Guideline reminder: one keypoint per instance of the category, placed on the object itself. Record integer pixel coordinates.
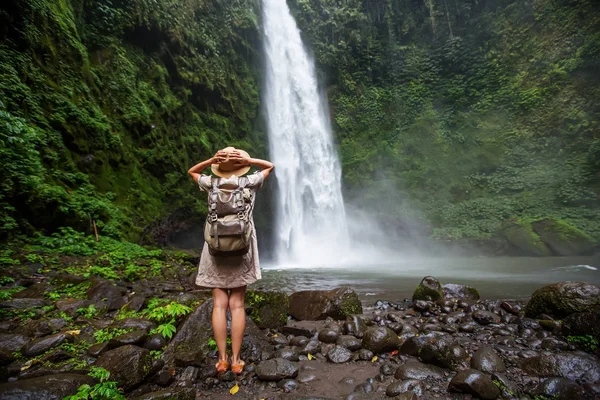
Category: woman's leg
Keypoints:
(238, 321)
(219, 321)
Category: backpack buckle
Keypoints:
(213, 218)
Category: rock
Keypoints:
(460, 292)
(562, 238)
(562, 299)
(573, 366)
(582, 324)
(299, 341)
(107, 295)
(413, 345)
(128, 365)
(287, 385)
(70, 306)
(329, 334)
(135, 337)
(42, 345)
(48, 387)
(287, 353)
(295, 331)
(12, 342)
(349, 342)
(380, 340)
(155, 342)
(276, 369)
(365, 354)
(486, 317)
(134, 323)
(513, 309)
(418, 371)
(444, 352)
(47, 327)
(315, 305)
(474, 382)
(355, 325)
(311, 347)
(559, 389)
(98, 349)
(170, 394)
(411, 385)
(429, 289)
(507, 388)
(422, 305)
(339, 354)
(550, 325)
(487, 360)
(188, 377)
(268, 309)
(6, 357)
(22, 304)
(526, 241)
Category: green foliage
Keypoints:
(105, 390)
(69, 291)
(88, 312)
(212, 343)
(106, 334)
(166, 314)
(6, 280)
(587, 342)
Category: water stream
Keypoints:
(310, 221)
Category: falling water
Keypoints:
(310, 218)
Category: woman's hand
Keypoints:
(220, 156)
(239, 158)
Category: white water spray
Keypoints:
(310, 223)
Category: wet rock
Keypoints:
(562, 238)
(468, 327)
(128, 365)
(134, 323)
(70, 306)
(268, 309)
(278, 340)
(107, 295)
(559, 389)
(507, 388)
(582, 324)
(276, 369)
(444, 352)
(411, 385)
(418, 371)
(580, 367)
(413, 345)
(135, 337)
(48, 327)
(485, 317)
(41, 345)
(429, 289)
(562, 299)
(295, 331)
(461, 292)
(35, 291)
(355, 325)
(330, 334)
(487, 360)
(48, 387)
(339, 354)
(98, 349)
(22, 304)
(349, 342)
(422, 305)
(188, 377)
(511, 308)
(12, 342)
(311, 347)
(287, 385)
(6, 357)
(387, 369)
(135, 303)
(299, 341)
(380, 340)
(315, 305)
(474, 382)
(365, 354)
(155, 342)
(287, 353)
(169, 394)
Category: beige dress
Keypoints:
(230, 272)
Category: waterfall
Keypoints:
(310, 221)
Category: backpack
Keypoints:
(228, 227)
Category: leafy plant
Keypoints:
(105, 390)
(106, 334)
(89, 311)
(586, 342)
(166, 314)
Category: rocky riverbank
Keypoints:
(153, 336)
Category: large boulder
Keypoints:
(268, 309)
(429, 289)
(276, 369)
(106, 295)
(315, 305)
(582, 324)
(562, 238)
(525, 240)
(461, 292)
(128, 365)
(380, 339)
(48, 387)
(474, 382)
(573, 366)
(562, 299)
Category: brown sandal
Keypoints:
(238, 368)
(222, 366)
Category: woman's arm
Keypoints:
(194, 172)
(266, 166)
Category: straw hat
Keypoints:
(228, 168)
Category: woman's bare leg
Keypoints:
(219, 321)
(238, 321)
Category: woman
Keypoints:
(229, 276)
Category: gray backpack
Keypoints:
(228, 227)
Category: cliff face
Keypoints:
(453, 118)
(106, 104)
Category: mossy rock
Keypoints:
(313, 305)
(268, 309)
(562, 238)
(562, 299)
(429, 289)
(522, 237)
(463, 292)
